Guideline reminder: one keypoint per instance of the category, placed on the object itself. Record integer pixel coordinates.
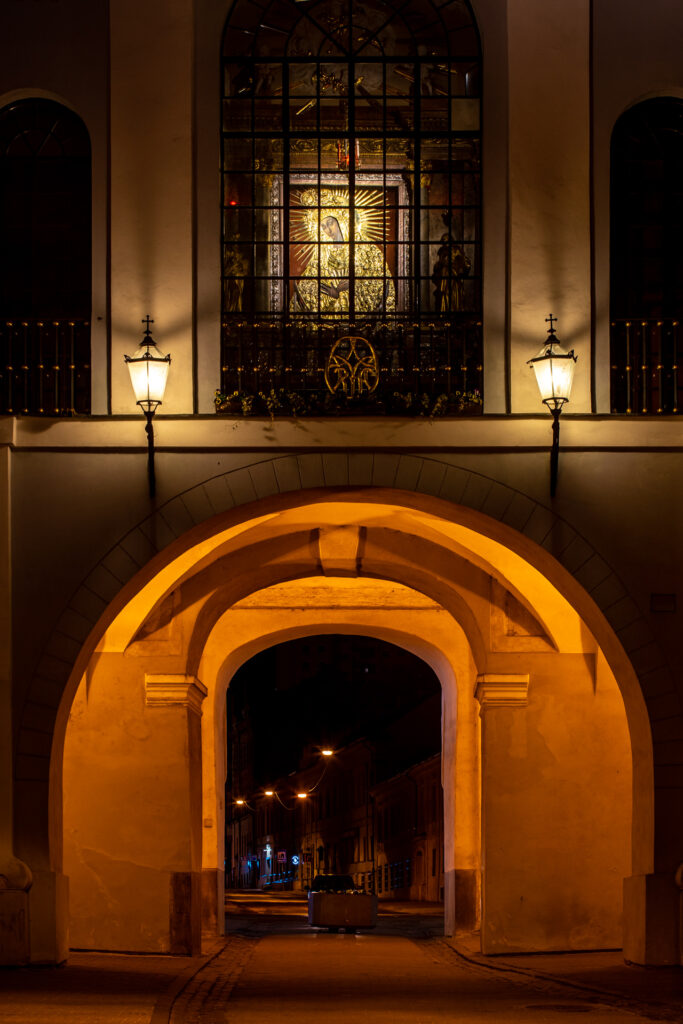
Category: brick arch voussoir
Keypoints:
(435, 476)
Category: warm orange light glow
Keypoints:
(455, 639)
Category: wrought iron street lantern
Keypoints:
(554, 368)
(148, 368)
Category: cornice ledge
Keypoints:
(501, 690)
(169, 690)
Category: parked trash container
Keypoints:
(334, 902)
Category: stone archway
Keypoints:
(336, 551)
(424, 482)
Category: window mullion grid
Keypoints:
(449, 226)
(417, 226)
(318, 108)
(254, 347)
(399, 254)
(351, 130)
(283, 212)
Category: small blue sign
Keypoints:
(295, 859)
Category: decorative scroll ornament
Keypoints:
(352, 367)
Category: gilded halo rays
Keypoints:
(311, 206)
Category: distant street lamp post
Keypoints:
(307, 846)
(301, 797)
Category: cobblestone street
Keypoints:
(273, 967)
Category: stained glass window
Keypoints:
(351, 201)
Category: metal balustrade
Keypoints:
(646, 370)
(44, 367)
(424, 367)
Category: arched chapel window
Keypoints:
(646, 258)
(351, 206)
(45, 259)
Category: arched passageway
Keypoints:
(334, 767)
(537, 803)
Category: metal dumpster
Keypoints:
(333, 902)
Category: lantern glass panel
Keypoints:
(148, 369)
(554, 369)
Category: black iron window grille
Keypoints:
(45, 262)
(351, 206)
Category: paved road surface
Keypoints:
(401, 973)
(273, 968)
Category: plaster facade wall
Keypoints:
(556, 808)
(549, 193)
(151, 237)
(132, 808)
(77, 523)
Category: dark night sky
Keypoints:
(331, 690)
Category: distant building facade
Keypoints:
(409, 829)
(388, 836)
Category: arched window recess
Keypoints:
(351, 207)
(45, 260)
(646, 260)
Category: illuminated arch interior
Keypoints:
(453, 593)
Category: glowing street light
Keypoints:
(148, 368)
(554, 369)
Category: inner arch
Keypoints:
(572, 693)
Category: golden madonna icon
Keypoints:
(352, 367)
(322, 228)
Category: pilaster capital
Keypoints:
(502, 690)
(167, 690)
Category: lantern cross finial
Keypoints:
(550, 319)
(147, 322)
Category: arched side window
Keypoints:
(351, 207)
(45, 259)
(646, 258)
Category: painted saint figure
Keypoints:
(451, 268)
(235, 269)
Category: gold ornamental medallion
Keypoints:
(352, 368)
